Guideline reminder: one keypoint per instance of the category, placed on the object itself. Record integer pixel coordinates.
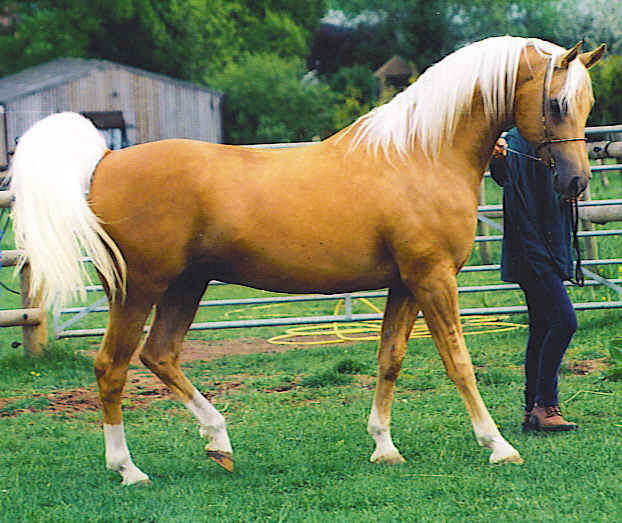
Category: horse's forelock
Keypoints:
(577, 81)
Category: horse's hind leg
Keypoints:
(161, 352)
(125, 325)
(438, 297)
(399, 317)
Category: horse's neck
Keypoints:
(475, 138)
(469, 150)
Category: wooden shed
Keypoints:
(149, 106)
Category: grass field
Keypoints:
(297, 422)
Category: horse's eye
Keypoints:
(558, 110)
(555, 107)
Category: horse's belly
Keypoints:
(293, 267)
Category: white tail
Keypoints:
(50, 175)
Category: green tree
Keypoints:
(607, 85)
(267, 100)
(594, 21)
(424, 31)
(355, 89)
(478, 19)
(180, 38)
(418, 30)
(285, 27)
(166, 36)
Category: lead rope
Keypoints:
(579, 278)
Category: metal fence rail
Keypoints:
(62, 330)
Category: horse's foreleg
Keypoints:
(161, 353)
(438, 297)
(399, 317)
(125, 326)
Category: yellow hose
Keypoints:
(370, 330)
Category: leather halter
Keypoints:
(548, 139)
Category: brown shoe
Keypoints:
(527, 425)
(550, 419)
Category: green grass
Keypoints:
(301, 451)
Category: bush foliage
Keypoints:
(267, 101)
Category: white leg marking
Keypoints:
(118, 455)
(385, 451)
(490, 437)
(212, 423)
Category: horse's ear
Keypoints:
(590, 58)
(570, 55)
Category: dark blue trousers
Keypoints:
(552, 323)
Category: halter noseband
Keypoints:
(548, 140)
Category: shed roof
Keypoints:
(396, 65)
(63, 70)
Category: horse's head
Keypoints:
(552, 103)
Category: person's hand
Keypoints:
(500, 149)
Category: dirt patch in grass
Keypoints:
(142, 386)
(196, 350)
(584, 367)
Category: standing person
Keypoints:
(537, 254)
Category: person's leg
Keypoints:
(562, 326)
(553, 314)
(538, 327)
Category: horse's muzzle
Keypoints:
(572, 189)
(576, 186)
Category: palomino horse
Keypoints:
(390, 201)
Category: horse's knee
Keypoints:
(107, 373)
(390, 372)
(155, 365)
(110, 377)
(100, 366)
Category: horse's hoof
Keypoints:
(137, 483)
(224, 459)
(511, 458)
(388, 460)
(143, 483)
(514, 459)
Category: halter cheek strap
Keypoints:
(548, 139)
(574, 206)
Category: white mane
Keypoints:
(428, 111)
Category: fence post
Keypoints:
(591, 249)
(35, 336)
(483, 228)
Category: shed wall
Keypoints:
(153, 109)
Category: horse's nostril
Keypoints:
(574, 187)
